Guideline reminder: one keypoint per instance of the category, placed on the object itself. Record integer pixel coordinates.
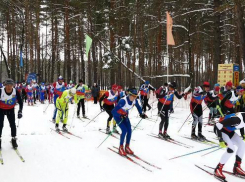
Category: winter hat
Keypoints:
(165, 84)
(114, 87)
(71, 82)
(8, 81)
(172, 85)
(80, 81)
(73, 91)
(216, 85)
(228, 84)
(242, 81)
(147, 82)
(133, 92)
(216, 88)
(206, 84)
(119, 87)
(60, 78)
(239, 89)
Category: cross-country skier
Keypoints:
(50, 93)
(225, 131)
(165, 95)
(196, 110)
(144, 93)
(8, 98)
(69, 86)
(120, 114)
(80, 97)
(62, 104)
(59, 88)
(30, 92)
(240, 101)
(42, 92)
(109, 99)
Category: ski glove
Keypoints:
(143, 116)
(102, 109)
(19, 114)
(222, 143)
(124, 116)
(243, 137)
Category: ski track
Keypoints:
(50, 157)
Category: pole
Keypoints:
(167, 61)
(93, 118)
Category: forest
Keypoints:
(48, 37)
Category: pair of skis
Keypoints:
(205, 141)
(62, 133)
(134, 161)
(220, 179)
(16, 151)
(170, 140)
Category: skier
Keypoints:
(62, 104)
(50, 93)
(80, 97)
(69, 86)
(120, 115)
(109, 99)
(8, 98)
(241, 98)
(59, 88)
(29, 90)
(225, 131)
(165, 95)
(144, 91)
(196, 109)
(210, 101)
(35, 91)
(95, 92)
(42, 92)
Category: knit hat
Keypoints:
(206, 84)
(133, 92)
(228, 84)
(114, 87)
(8, 81)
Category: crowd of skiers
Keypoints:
(226, 103)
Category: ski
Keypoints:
(208, 142)
(170, 141)
(59, 132)
(85, 118)
(19, 155)
(223, 180)
(1, 157)
(130, 159)
(137, 157)
(227, 172)
(107, 134)
(71, 134)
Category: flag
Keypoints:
(88, 44)
(21, 59)
(170, 38)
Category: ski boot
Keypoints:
(78, 116)
(149, 108)
(160, 135)
(57, 127)
(121, 151)
(64, 128)
(115, 130)
(238, 171)
(166, 136)
(14, 143)
(201, 137)
(218, 172)
(84, 116)
(193, 136)
(53, 120)
(128, 150)
(108, 131)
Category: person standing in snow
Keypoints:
(30, 91)
(59, 88)
(62, 104)
(95, 92)
(109, 99)
(144, 91)
(225, 130)
(69, 86)
(80, 97)
(120, 115)
(165, 95)
(42, 92)
(8, 98)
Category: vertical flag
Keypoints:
(170, 38)
(88, 44)
(21, 59)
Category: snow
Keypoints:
(50, 157)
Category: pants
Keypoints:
(30, 97)
(11, 117)
(197, 119)
(125, 126)
(231, 141)
(144, 101)
(81, 102)
(24, 96)
(63, 109)
(95, 100)
(42, 96)
(108, 109)
(164, 114)
(55, 109)
(50, 97)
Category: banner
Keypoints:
(170, 38)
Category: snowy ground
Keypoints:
(50, 157)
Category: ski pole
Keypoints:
(18, 122)
(137, 124)
(194, 152)
(109, 134)
(93, 118)
(75, 108)
(46, 108)
(212, 151)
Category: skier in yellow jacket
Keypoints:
(63, 108)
